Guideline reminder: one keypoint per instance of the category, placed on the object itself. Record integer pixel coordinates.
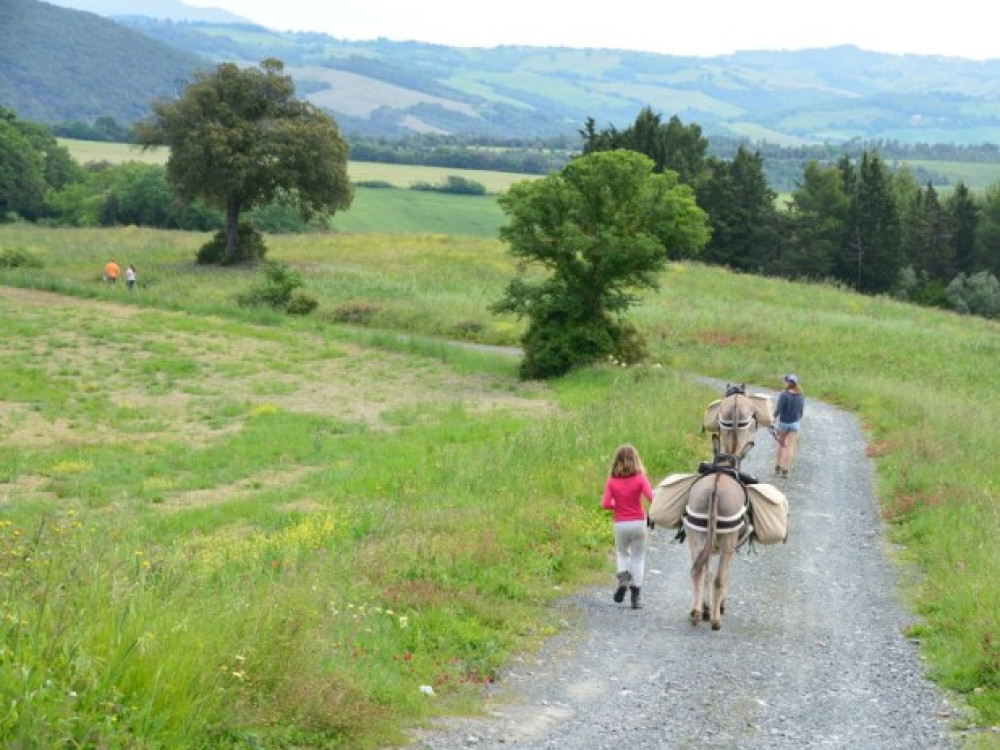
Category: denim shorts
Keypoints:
(789, 426)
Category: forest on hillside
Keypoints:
(58, 65)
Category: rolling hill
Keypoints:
(58, 65)
(381, 87)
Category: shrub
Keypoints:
(469, 328)
(920, 289)
(18, 259)
(382, 184)
(250, 248)
(357, 313)
(462, 186)
(301, 304)
(275, 290)
(452, 184)
(978, 294)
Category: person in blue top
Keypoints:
(788, 422)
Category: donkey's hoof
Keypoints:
(706, 614)
(695, 618)
(716, 625)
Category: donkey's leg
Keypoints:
(726, 551)
(706, 596)
(695, 541)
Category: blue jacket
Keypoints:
(790, 407)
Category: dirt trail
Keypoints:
(812, 651)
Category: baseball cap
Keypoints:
(793, 379)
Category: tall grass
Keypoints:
(337, 567)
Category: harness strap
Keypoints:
(727, 525)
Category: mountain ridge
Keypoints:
(387, 88)
(59, 64)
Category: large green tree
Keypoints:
(671, 145)
(988, 232)
(746, 225)
(816, 223)
(600, 229)
(963, 216)
(927, 240)
(32, 166)
(239, 139)
(871, 256)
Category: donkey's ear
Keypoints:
(746, 449)
(716, 444)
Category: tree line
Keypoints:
(852, 220)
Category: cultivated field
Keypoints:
(224, 527)
(398, 175)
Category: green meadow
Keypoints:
(225, 528)
(976, 176)
(419, 212)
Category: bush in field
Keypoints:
(18, 259)
(452, 184)
(276, 290)
(301, 304)
(381, 184)
(978, 294)
(357, 313)
(920, 289)
(250, 248)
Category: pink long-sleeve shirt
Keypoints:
(624, 496)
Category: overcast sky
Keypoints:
(959, 28)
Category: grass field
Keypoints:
(289, 526)
(977, 177)
(420, 212)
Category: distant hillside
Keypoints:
(788, 98)
(380, 87)
(171, 10)
(58, 64)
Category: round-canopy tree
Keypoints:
(239, 139)
(603, 227)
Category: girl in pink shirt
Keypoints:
(623, 494)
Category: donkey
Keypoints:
(715, 523)
(737, 420)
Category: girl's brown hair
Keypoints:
(627, 462)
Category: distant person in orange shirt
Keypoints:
(111, 271)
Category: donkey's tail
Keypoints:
(713, 514)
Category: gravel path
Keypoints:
(811, 653)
